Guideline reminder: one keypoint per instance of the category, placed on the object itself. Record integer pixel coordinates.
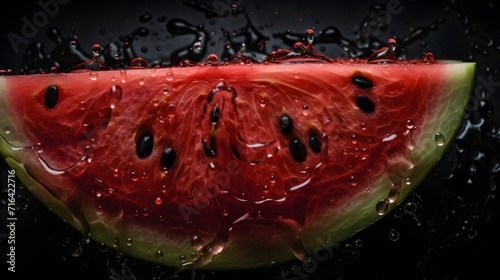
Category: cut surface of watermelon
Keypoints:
(230, 166)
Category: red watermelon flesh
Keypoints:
(230, 166)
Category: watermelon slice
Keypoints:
(236, 165)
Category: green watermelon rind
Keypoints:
(327, 230)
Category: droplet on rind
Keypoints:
(159, 254)
(439, 139)
(382, 206)
(129, 241)
(310, 35)
(197, 242)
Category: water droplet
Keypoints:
(158, 201)
(439, 138)
(471, 233)
(7, 130)
(410, 208)
(196, 242)
(428, 57)
(358, 242)
(410, 124)
(408, 181)
(93, 75)
(39, 147)
(129, 241)
(382, 206)
(305, 110)
(352, 181)
(123, 76)
(159, 254)
(197, 47)
(141, 81)
(386, 54)
(165, 91)
(272, 179)
(169, 75)
(393, 194)
(82, 106)
(212, 60)
(134, 176)
(100, 209)
(138, 63)
(96, 49)
(310, 36)
(393, 235)
(115, 95)
(76, 249)
(354, 139)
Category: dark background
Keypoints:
(451, 234)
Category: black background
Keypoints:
(452, 235)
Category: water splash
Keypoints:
(386, 54)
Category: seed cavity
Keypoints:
(215, 114)
(286, 124)
(365, 104)
(168, 158)
(315, 143)
(362, 82)
(145, 145)
(51, 96)
(209, 147)
(298, 150)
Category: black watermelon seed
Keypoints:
(209, 148)
(286, 124)
(315, 143)
(209, 152)
(362, 82)
(365, 104)
(215, 114)
(51, 97)
(298, 150)
(145, 145)
(168, 158)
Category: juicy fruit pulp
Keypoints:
(230, 166)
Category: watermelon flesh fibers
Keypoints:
(235, 165)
